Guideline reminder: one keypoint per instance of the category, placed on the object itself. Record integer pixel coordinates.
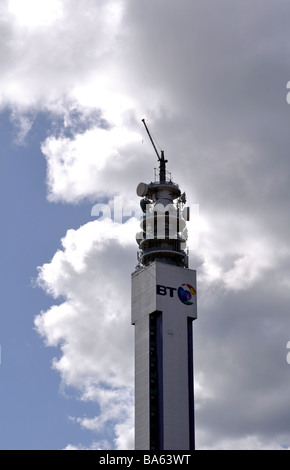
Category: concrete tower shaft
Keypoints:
(163, 310)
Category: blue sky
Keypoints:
(34, 414)
(76, 78)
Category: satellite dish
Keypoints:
(142, 189)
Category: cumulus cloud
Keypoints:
(116, 407)
(53, 46)
(35, 14)
(92, 325)
(90, 164)
(100, 445)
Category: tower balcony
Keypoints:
(156, 219)
(164, 243)
(166, 254)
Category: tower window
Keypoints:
(155, 381)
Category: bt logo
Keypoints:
(184, 292)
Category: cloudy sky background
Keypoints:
(76, 78)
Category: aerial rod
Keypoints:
(152, 141)
(162, 167)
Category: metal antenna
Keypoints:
(162, 167)
(152, 141)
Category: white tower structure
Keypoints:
(163, 310)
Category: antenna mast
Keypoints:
(162, 167)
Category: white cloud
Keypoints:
(90, 164)
(35, 13)
(100, 445)
(117, 408)
(92, 326)
(54, 46)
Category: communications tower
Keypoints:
(163, 310)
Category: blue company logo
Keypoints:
(184, 292)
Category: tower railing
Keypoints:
(168, 178)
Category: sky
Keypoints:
(76, 78)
